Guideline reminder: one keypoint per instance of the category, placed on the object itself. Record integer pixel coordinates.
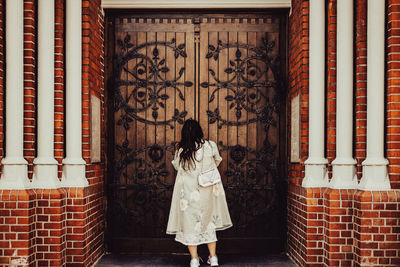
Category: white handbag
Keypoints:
(209, 177)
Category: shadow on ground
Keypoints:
(113, 260)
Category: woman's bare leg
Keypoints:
(212, 247)
(193, 252)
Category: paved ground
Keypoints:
(183, 260)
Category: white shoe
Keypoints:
(194, 262)
(213, 261)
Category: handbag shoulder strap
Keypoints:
(202, 161)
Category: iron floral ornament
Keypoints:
(248, 82)
(252, 88)
(140, 87)
(147, 77)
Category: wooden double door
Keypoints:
(225, 70)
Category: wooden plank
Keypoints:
(141, 126)
(241, 130)
(203, 92)
(132, 132)
(148, 27)
(232, 138)
(169, 109)
(228, 27)
(160, 129)
(212, 64)
(189, 74)
(261, 135)
(181, 105)
(251, 127)
(222, 105)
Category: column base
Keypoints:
(45, 173)
(74, 173)
(375, 175)
(14, 174)
(315, 173)
(344, 174)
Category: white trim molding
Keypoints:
(119, 4)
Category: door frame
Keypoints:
(109, 116)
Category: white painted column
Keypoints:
(375, 174)
(315, 165)
(15, 172)
(45, 170)
(343, 167)
(74, 165)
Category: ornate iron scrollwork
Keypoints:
(140, 187)
(147, 77)
(246, 87)
(253, 86)
(148, 190)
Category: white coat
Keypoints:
(197, 212)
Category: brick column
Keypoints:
(338, 227)
(377, 228)
(17, 227)
(77, 226)
(51, 227)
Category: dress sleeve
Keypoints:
(216, 155)
(175, 161)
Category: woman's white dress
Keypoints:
(197, 212)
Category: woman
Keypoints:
(197, 212)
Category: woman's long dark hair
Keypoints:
(191, 141)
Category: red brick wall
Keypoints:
(377, 228)
(360, 140)
(50, 227)
(305, 234)
(30, 83)
(93, 84)
(328, 227)
(338, 227)
(17, 227)
(331, 84)
(298, 85)
(298, 79)
(63, 226)
(393, 92)
(2, 37)
(59, 51)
